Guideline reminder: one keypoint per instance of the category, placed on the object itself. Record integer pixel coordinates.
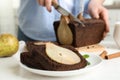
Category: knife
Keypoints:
(65, 12)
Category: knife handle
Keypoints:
(58, 7)
(55, 4)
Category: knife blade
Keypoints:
(62, 11)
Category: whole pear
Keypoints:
(9, 45)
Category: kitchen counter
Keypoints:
(113, 5)
(108, 70)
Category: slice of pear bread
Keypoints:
(50, 56)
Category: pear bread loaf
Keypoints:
(91, 33)
(50, 56)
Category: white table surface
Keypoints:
(109, 70)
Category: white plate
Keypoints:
(94, 60)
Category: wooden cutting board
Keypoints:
(91, 48)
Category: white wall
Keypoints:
(16, 3)
(108, 2)
(7, 16)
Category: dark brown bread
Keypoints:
(28, 60)
(38, 59)
(92, 33)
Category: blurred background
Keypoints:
(9, 15)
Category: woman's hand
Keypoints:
(97, 10)
(46, 3)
